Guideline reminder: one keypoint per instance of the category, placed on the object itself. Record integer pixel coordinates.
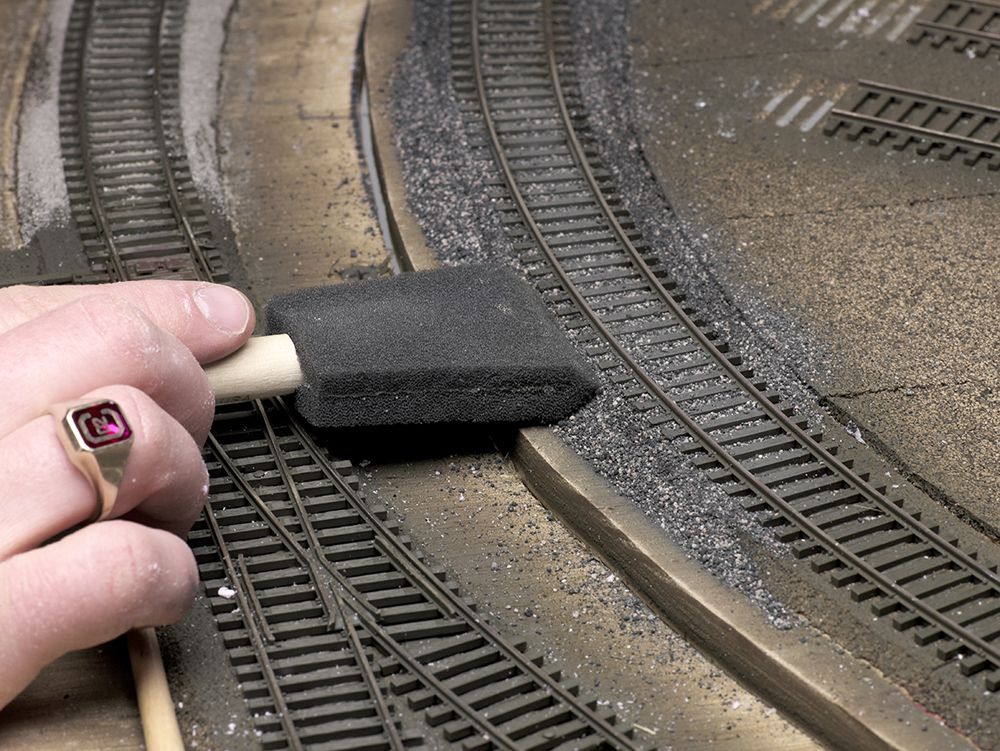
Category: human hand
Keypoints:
(139, 344)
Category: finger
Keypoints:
(211, 320)
(86, 589)
(164, 484)
(94, 342)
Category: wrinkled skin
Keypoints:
(140, 344)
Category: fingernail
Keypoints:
(224, 307)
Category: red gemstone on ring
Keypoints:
(101, 425)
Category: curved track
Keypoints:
(329, 618)
(561, 213)
(131, 194)
(321, 605)
(339, 633)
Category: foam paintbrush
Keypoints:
(471, 344)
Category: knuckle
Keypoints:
(172, 452)
(120, 323)
(129, 335)
(144, 355)
(166, 480)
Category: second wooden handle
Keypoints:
(156, 708)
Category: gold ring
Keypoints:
(97, 439)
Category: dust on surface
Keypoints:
(880, 258)
(472, 515)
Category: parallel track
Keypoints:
(971, 26)
(333, 621)
(888, 114)
(513, 73)
(329, 618)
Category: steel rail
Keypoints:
(889, 587)
(313, 554)
(395, 741)
(469, 616)
(158, 29)
(356, 608)
(986, 36)
(388, 543)
(923, 96)
(310, 561)
(951, 30)
(789, 425)
(260, 647)
(389, 644)
(916, 130)
(96, 209)
(258, 609)
(202, 267)
(975, 3)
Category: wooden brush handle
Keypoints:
(265, 366)
(156, 708)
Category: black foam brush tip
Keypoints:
(471, 344)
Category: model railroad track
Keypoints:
(514, 76)
(972, 26)
(339, 634)
(880, 114)
(331, 619)
(130, 188)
